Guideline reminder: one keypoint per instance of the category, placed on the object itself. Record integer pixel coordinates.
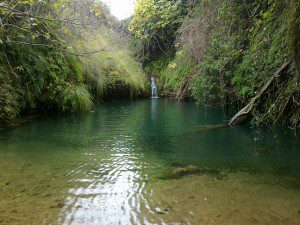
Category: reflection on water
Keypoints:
(154, 102)
(106, 190)
(107, 168)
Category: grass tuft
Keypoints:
(76, 99)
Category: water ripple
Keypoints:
(104, 167)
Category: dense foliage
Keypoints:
(227, 50)
(61, 55)
(65, 54)
(155, 19)
(154, 24)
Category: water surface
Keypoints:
(111, 167)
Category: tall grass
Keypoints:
(37, 77)
(113, 70)
(76, 99)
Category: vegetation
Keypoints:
(154, 24)
(62, 55)
(65, 55)
(225, 51)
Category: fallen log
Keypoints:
(245, 113)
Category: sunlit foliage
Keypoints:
(59, 55)
(152, 17)
(154, 23)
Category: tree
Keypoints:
(45, 22)
(155, 23)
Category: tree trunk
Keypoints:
(246, 112)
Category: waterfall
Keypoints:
(153, 88)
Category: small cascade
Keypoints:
(153, 88)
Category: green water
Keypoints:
(108, 167)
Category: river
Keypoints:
(116, 165)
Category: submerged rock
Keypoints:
(59, 203)
(221, 176)
(210, 127)
(259, 149)
(211, 171)
(178, 172)
(46, 195)
(162, 212)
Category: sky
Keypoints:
(121, 9)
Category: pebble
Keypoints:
(159, 211)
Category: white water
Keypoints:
(153, 88)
